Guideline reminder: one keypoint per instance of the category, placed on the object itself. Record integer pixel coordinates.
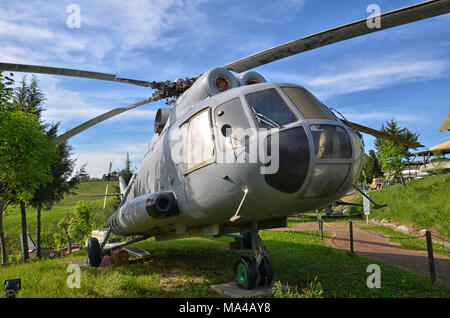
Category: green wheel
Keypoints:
(245, 273)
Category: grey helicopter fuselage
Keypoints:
(187, 185)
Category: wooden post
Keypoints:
(431, 257)
(351, 235)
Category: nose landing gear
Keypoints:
(255, 271)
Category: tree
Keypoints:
(6, 94)
(126, 172)
(391, 155)
(64, 225)
(26, 156)
(374, 167)
(371, 168)
(29, 98)
(62, 183)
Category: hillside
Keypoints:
(423, 203)
(50, 218)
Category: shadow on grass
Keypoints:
(188, 268)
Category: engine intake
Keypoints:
(162, 205)
(161, 119)
(249, 78)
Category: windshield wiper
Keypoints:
(265, 119)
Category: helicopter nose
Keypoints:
(335, 160)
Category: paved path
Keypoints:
(379, 248)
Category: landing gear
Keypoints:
(97, 251)
(250, 272)
(266, 272)
(94, 252)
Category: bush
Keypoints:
(15, 258)
(47, 239)
(59, 240)
(82, 223)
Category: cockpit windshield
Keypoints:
(307, 104)
(269, 108)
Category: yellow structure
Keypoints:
(446, 124)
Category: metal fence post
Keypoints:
(321, 228)
(431, 257)
(351, 235)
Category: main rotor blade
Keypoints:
(70, 72)
(102, 117)
(388, 20)
(380, 134)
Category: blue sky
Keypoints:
(400, 73)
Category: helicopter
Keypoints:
(233, 153)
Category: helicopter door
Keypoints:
(200, 143)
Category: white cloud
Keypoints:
(69, 107)
(373, 73)
(116, 30)
(97, 160)
(18, 54)
(145, 23)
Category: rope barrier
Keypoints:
(327, 223)
(389, 237)
(440, 238)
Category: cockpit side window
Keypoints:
(307, 104)
(331, 142)
(269, 108)
(231, 124)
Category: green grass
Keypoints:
(187, 268)
(423, 203)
